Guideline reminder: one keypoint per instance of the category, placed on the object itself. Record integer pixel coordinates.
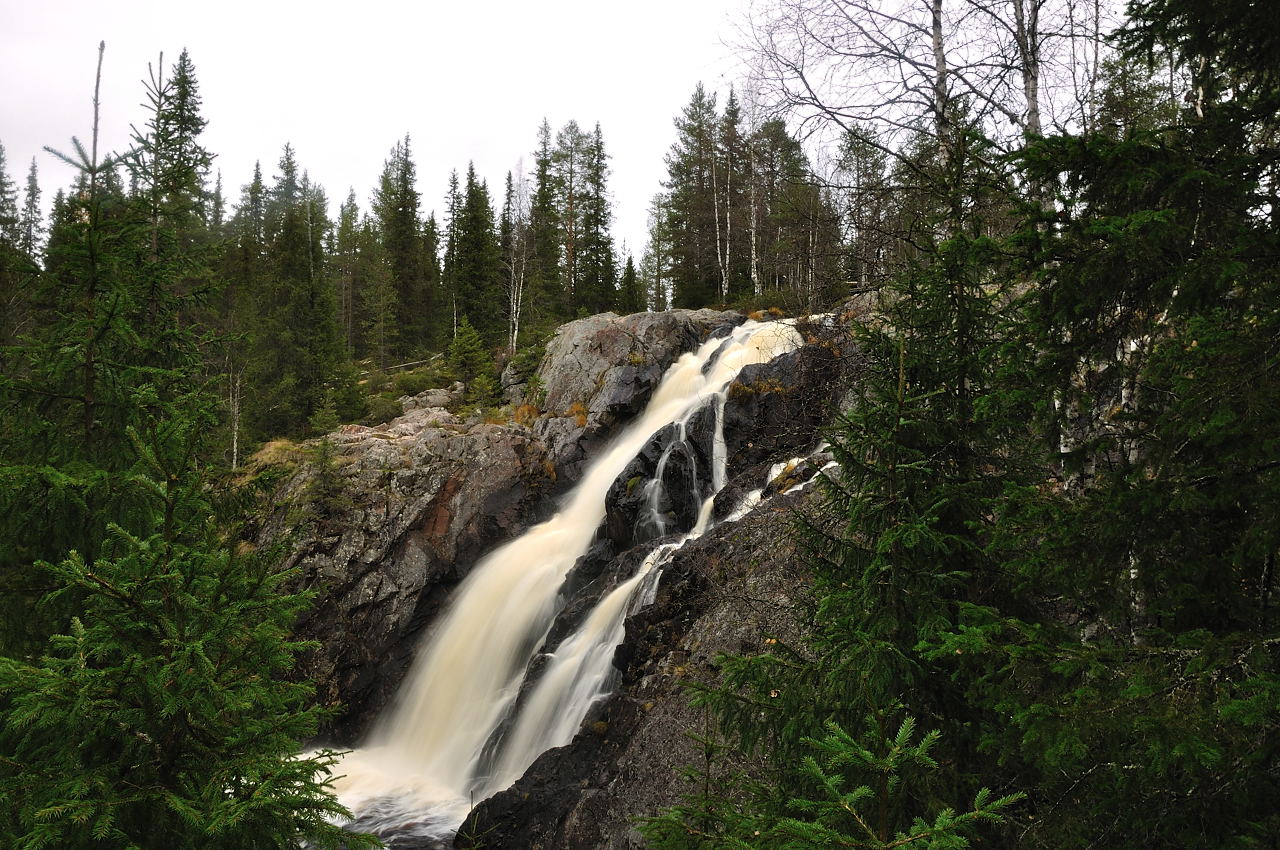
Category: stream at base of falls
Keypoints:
(466, 723)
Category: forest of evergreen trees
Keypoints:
(1043, 604)
(302, 303)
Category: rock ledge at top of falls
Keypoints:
(601, 370)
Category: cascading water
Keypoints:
(439, 749)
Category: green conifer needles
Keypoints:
(850, 792)
(160, 716)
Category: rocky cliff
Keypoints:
(600, 371)
(386, 527)
(723, 593)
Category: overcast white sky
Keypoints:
(343, 81)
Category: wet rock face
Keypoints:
(773, 411)
(776, 406)
(601, 370)
(641, 506)
(417, 501)
(724, 593)
(719, 594)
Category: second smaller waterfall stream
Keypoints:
(465, 724)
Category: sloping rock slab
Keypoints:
(721, 594)
(601, 370)
(416, 502)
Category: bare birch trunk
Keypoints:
(233, 409)
(1026, 20)
(942, 121)
(728, 226)
(715, 211)
(756, 287)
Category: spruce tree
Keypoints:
(31, 224)
(691, 206)
(448, 267)
(346, 270)
(18, 237)
(217, 208)
(242, 270)
(597, 276)
(477, 263)
(630, 295)
(9, 218)
(177, 161)
(395, 204)
(569, 173)
(856, 786)
(156, 713)
(159, 716)
(472, 364)
(1155, 320)
(507, 218)
(67, 387)
(436, 327)
(547, 298)
(656, 262)
(378, 302)
(168, 165)
(296, 350)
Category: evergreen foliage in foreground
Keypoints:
(855, 789)
(160, 717)
(156, 714)
(1054, 535)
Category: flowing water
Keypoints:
(451, 738)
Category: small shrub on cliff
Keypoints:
(412, 383)
(325, 418)
(527, 358)
(526, 415)
(327, 490)
(535, 392)
(467, 356)
(482, 390)
(375, 381)
(578, 411)
(382, 410)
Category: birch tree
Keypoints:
(515, 249)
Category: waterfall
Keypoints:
(450, 738)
